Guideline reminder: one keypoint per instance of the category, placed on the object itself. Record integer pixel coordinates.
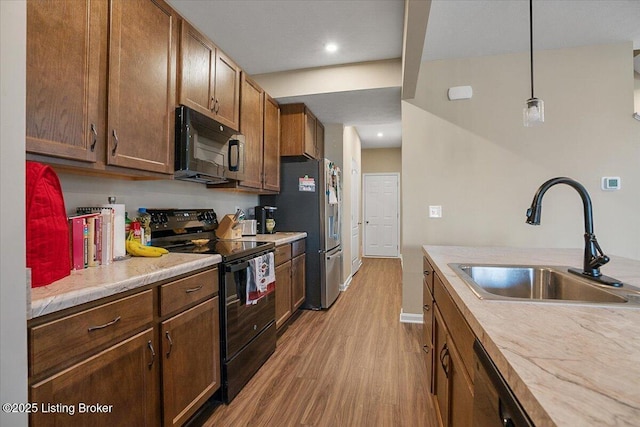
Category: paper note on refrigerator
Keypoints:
(307, 184)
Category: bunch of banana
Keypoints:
(134, 248)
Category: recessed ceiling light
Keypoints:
(331, 47)
(380, 134)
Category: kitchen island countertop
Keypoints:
(93, 283)
(569, 364)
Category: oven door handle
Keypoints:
(236, 267)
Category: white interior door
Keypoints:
(381, 215)
(356, 262)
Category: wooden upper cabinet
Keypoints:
(197, 70)
(209, 80)
(227, 91)
(66, 78)
(251, 126)
(142, 75)
(298, 132)
(319, 147)
(271, 161)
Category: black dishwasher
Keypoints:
(494, 403)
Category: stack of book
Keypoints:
(91, 237)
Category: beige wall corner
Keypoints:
(351, 153)
(416, 16)
(340, 78)
(13, 288)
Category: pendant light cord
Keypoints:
(531, 41)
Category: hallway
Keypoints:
(353, 365)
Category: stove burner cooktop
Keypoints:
(174, 230)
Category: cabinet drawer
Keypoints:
(298, 248)
(458, 328)
(283, 253)
(428, 273)
(62, 341)
(181, 293)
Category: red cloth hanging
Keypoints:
(47, 228)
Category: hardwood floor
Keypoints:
(352, 365)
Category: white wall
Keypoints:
(477, 160)
(13, 287)
(352, 148)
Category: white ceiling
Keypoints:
(265, 36)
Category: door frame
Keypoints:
(364, 209)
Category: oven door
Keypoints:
(242, 322)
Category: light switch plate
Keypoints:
(435, 211)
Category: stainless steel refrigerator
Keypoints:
(309, 200)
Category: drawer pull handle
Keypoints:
(170, 342)
(106, 325)
(196, 289)
(153, 354)
(95, 137)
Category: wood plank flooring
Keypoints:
(352, 365)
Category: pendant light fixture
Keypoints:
(533, 113)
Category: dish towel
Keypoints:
(261, 280)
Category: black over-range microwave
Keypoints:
(205, 150)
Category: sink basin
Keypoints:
(539, 283)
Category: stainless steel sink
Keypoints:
(539, 283)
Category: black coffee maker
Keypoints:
(266, 221)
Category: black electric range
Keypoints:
(177, 229)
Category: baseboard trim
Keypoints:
(346, 284)
(411, 317)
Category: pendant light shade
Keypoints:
(533, 113)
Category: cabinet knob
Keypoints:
(212, 103)
(426, 307)
(427, 272)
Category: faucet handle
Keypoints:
(599, 261)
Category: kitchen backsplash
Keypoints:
(91, 191)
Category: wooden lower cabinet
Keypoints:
(290, 279)
(116, 387)
(298, 290)
(283, 293)
(452, 380)
(114, 363)
(190, 361)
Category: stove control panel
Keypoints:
(167, 219)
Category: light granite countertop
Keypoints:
(93, 283)
(278, 238)
(568, 364)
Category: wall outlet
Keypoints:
(435, 211)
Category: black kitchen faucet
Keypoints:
(594, 258)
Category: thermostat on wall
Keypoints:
(611, 183)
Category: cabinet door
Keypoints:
(271, 152)
(461, 396)
(298, 292)
(227, 91)
(66, 85)
(309, 133)
(190, 361)
(197, 70)
(427, 332)
(283, 293)
(123, 379)
(319, 153)
(441, 369)
(142, 75)
(251, 126)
